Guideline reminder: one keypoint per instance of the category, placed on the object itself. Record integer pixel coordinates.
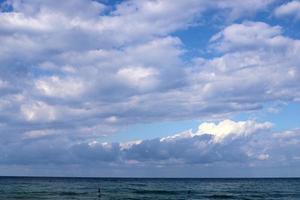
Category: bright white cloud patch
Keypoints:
(38, 111)
(143, 78)
(247, 36)
(57, 87)
(226, 129)
(232, 129)
(291, 9)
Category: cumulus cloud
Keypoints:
(247, 36)
(250, 48)
(105, 57)
(230, 128)
(38, 111)
(247, 142)
(56, 87)
(143, 78)
(291, 8)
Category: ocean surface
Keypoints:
(158, 189)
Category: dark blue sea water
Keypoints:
(158, 189)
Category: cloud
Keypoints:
(143, 78)
(71, 73)
(242, 8)
(230, 128)
(228, 142)
(56, 87)
(89, 85)
(247, 36)
(38, 111)
(291, 8)
(250, 48)
(77, 64)
(32, 7)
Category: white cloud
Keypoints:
(133, 80)
(60, 88)
(138, 77)
(263, 157)
(229, 128)
(291, 8)
(249, 35)
(39, 111)
(112, 119)
(226, 129)
(250, 51)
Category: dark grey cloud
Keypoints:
(228, 143)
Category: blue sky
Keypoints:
(160, 88)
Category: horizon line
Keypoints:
(141, 177)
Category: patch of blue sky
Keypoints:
(196, 37)
(151, 130)
(4, 7)
(283, 116)
(290, 27)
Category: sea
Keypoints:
(29, 188)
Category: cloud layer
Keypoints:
(245, 143)
(72, 72)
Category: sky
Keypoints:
(150, 88)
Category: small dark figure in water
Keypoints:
(189, 194)
(99, 192)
